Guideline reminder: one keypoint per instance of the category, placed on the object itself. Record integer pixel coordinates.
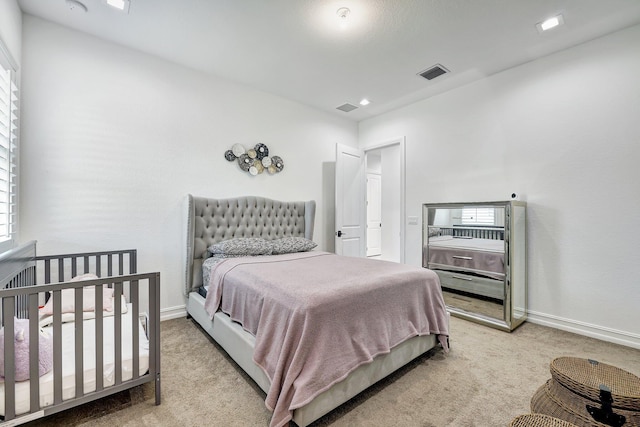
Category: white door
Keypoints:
(374, 214)
(350, 200)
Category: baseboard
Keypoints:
(627, 339)
(173, 312)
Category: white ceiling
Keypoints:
(297, 48)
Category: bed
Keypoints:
(82, 353)
(294, 292)
(481, 256)
(468, 259)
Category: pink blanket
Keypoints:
(318, 316)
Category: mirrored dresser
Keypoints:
(479, 251)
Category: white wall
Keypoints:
(113, 140)
(564, 132)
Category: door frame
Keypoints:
(400, 141)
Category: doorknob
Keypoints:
(339, 233)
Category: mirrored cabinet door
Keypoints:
(479, 252)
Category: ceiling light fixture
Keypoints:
(343, 13)
(550, 23)
(121, 5)
(364, 102)
(76, 5)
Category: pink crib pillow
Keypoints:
(88, 298)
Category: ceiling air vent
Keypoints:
(433, 72)
(346, 107)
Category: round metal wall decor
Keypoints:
(244, 162)
(229, 155)
(278, 163)
(254, 160)
(237, 150)
(262, 151)
(258, 165)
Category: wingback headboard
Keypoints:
(212, 220)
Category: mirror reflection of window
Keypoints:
(478, 216)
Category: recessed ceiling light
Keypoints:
(550, 23)
(365, 101)
(121, 5)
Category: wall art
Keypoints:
(254, 160)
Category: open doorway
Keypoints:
(374, 204)
(385, 201)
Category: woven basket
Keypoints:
(555, 400)
(584, 377)
(539, 420)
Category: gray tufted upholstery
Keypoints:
(212, 220)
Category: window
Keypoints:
(478, 216)
(8, 149)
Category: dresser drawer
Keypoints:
(483, 286)
(487, 263)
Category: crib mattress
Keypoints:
(22, 395)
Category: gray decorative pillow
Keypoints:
(288, 245)
(243, 246)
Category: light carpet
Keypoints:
(487, 379)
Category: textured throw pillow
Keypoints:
(243, 246)
(21, 343)
(289, 245)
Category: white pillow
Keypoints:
(47, 320)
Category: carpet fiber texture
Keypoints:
(487, 379)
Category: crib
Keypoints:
(92, 352)
(475, 232)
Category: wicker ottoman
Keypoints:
(588, 393)
(539, 420)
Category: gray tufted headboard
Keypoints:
(212, 220)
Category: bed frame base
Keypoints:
(239, 344)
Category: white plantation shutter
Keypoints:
(478, 216)
(8, 149)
